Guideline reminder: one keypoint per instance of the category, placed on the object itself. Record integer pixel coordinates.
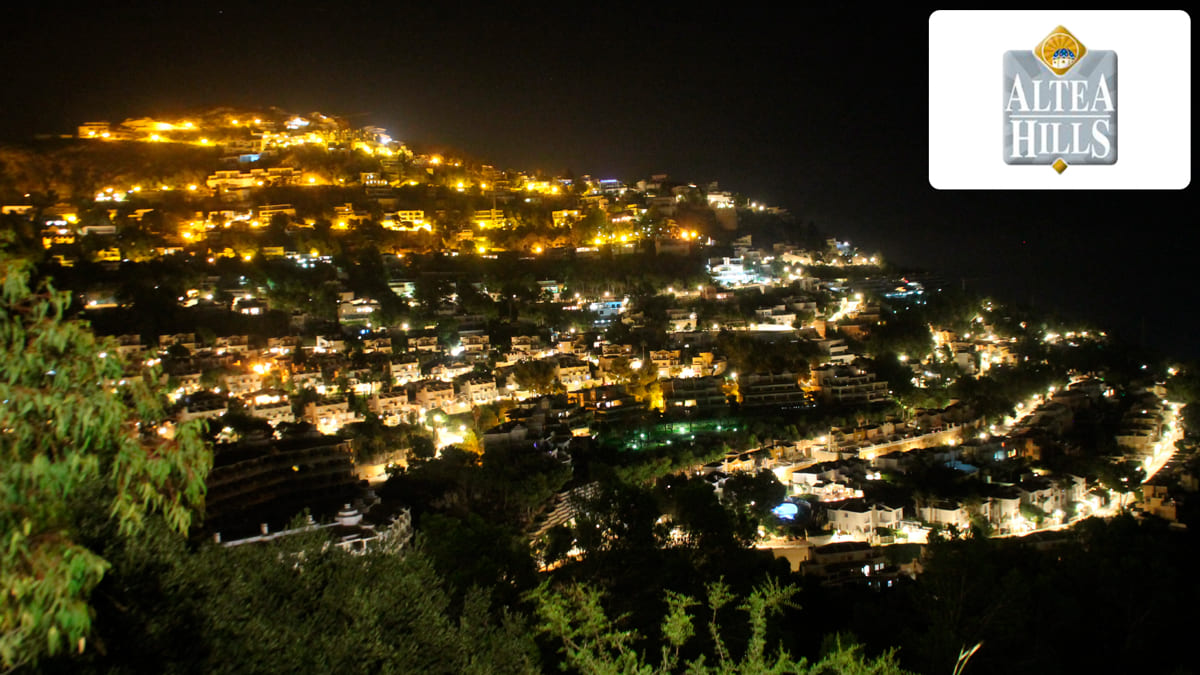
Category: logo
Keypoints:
(1060, 104)
(1060, 50)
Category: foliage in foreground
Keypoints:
(593, 643)
(292, 605)
(73, 426)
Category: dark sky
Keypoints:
(824, 113)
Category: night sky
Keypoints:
(823, 113)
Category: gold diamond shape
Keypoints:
(1059, 165)
(1060, 50)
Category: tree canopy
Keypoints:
(79, 435)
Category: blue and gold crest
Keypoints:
(1060, 51)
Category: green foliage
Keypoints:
(472, 551)
(748, 355)
(592, 642)
(374, 441)
(756, 493)
(537, 376)
(902, 333)
(707, 524)
(651, 462)
(1119, 476)
(322, 612)
(71, 429)
(994, 395)
(78, 169)
(295, 604)
(619, 517)
(1031, 512)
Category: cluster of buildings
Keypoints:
(553, 385)
(255, 152)
(419, 375)
(247, 134)
(855, 475)
(404, 375)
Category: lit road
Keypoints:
(1164, 449)
(1162, 452)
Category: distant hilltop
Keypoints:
(246, 131)
(223, 182)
